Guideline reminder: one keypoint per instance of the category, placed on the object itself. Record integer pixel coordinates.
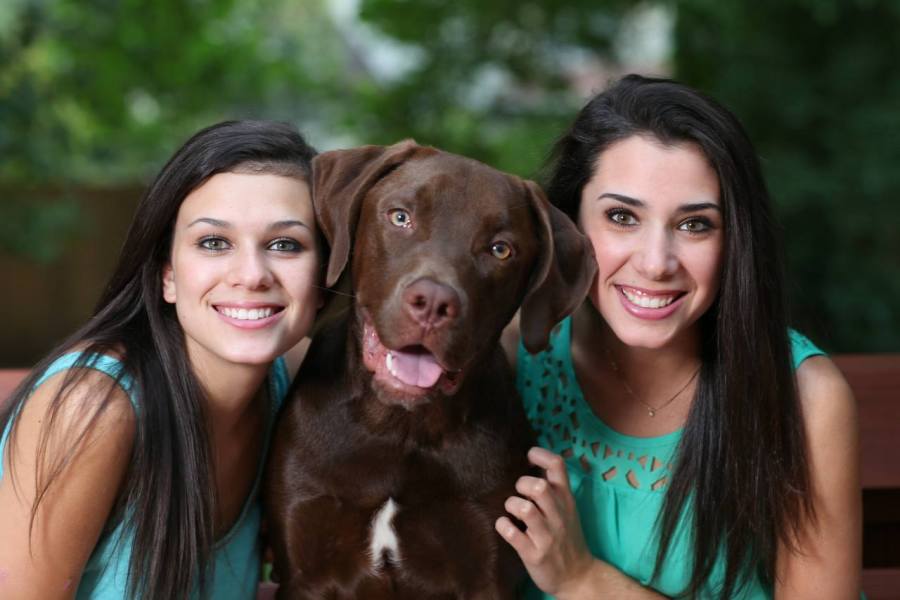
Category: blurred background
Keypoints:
(96, 94)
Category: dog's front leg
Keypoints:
(315, 562)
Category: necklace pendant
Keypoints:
(651, 412)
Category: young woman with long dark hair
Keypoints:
(692, 444)
(131, 454)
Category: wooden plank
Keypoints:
(881, 584)
(875, 379)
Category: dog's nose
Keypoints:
(431, 304)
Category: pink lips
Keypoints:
(248, 323)
(651, 314)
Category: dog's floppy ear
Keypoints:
(341, 179)
(562, 277)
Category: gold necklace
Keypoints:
(651, 410)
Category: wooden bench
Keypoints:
(875, 379)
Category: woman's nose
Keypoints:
(250, 269)
(657, 258)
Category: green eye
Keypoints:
(213, 243)
(399, 218)
(501, 250)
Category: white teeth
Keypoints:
(389, 362)
(648, 301)
(243, 314)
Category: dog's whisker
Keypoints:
(326, 289)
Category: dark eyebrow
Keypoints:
(684, 208)
(698, 207)
(623, 199)
(276, 226)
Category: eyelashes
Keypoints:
(626, 219)
(621, 217)
(696, 225)
(215, 243)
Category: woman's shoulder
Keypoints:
(93, 401)
(67, 461)
(821, 386)
(802, 348)
(94, 404)
(824, 392)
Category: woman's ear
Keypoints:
(168, 284)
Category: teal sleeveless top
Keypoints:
(236, 556)
(619, 481)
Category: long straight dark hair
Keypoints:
(741, 463)
(168, 498)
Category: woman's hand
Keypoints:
(552, 547)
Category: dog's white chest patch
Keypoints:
(383, 544)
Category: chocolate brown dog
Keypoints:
(404, 434)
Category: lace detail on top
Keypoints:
(557, 409)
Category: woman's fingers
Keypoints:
(520, 542)
(536, 526)
(552, 546)
(542, 494)
(552, 464)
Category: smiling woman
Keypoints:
(653, 212)
(693, 445)
(132, 453)
(225, 260)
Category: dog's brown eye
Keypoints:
(399, 218)
(501, 250)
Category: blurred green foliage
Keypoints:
(102, 91)
(491, 80)
(817, 85)
(38, 228)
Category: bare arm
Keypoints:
(48, 562)
(552, 547)
(827, 561)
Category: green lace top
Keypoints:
(618, 480)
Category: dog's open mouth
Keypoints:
(409, 373)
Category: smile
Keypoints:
(645, 300)
(244, 314)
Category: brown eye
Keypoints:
(501, 250)
(399, 218)
(696, 225)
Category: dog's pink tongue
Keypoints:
(419, 369)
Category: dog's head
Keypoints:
(442, 251)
